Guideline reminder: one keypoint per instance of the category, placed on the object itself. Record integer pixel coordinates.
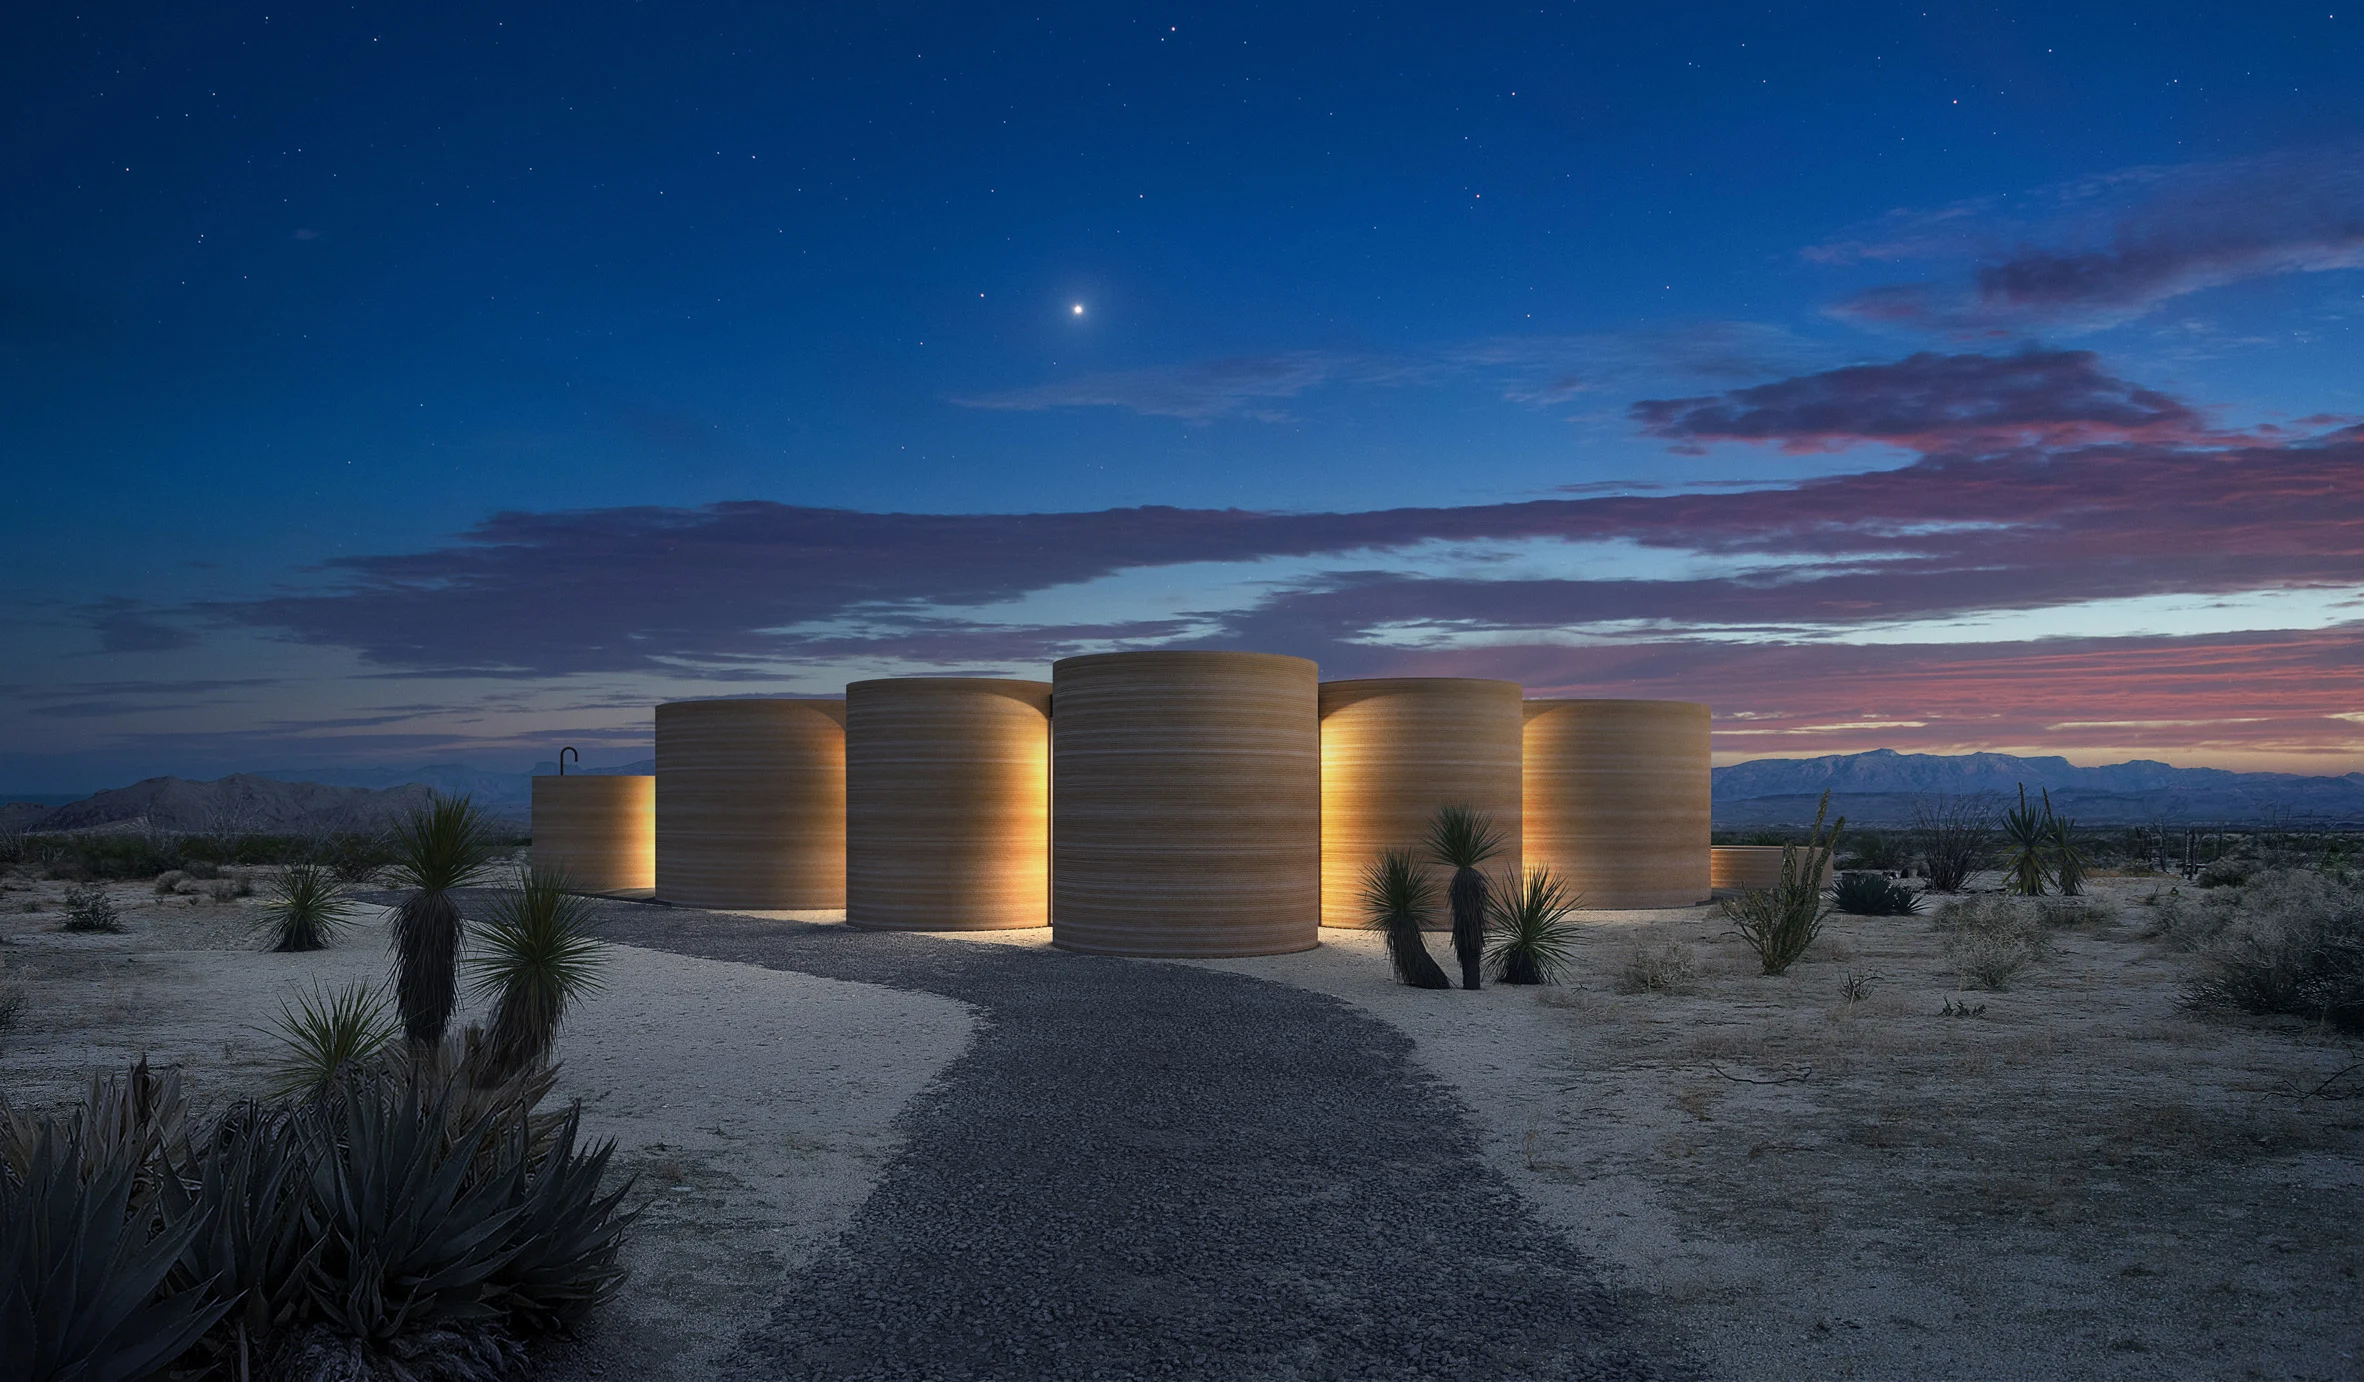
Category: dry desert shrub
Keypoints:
(2291, 943)
(1669, 968)
(1992, 939)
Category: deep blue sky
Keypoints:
(283, 288)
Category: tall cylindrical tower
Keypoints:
(597, 832)
(1617, 799)
(1394, 750)
(1185, 804)
(751, 804)
(948, 803)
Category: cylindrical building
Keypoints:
(1617, 799)
(1395, 749)
(947, 804)
(751, 804)
(1185, 804)
(599, 833)
(1736, 868)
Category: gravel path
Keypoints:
(1151, 1170)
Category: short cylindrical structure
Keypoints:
(1395, 749)
(1617, 799)
(1735, 868)
(751, 804)
(599, 833)
(947, 804)
(1185, 804)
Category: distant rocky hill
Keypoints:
(1880, 788)
(293, 800)
(241, 804)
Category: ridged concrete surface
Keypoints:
(1395, 749)
(751, 803)
(948, 803)
(1617, 799)
(1186, 804)
(600, 832)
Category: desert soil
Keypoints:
(755, 1106)
(2078, 1178)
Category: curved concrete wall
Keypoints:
(1394, 749)
(947, 804)
(751, 804)
(1616, 796)
(599, 833)
(1185, 804)
(1731, 868)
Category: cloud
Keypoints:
(1932, 403)
(738, 590)
(126, 626)
(1539, 371)
(2102, 251)
(1244, 386)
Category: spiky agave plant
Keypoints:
(1531, 940)
(1462, 837)
(2027, 836)
(84, 1274)
(2068, 851)
(1398, 895)
(438, 849)
(535, 955)
(306, 910)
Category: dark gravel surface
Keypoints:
(1154, 1170)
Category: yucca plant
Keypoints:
(307, 909)
(328, 1034)
(1530, 940)
(438, 849)
(1398, 897)
(1779, 922)
(1461, 838)
(2027, 838)
(2069, 860)
(83, 1264)
(535, 956)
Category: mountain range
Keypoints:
(1880, 787)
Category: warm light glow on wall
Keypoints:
(751, 804)
(599, 832)
(1617, 799)
(948, 803)
(1396, 749)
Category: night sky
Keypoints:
(402, 384)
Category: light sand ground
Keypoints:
(2080, 1181)
(755, 1106)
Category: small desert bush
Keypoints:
(88, 908)
(1992, 939)
(1870, 895)
(2291, 943)
(2228, 873)
(1669, 968)
(169, 881)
